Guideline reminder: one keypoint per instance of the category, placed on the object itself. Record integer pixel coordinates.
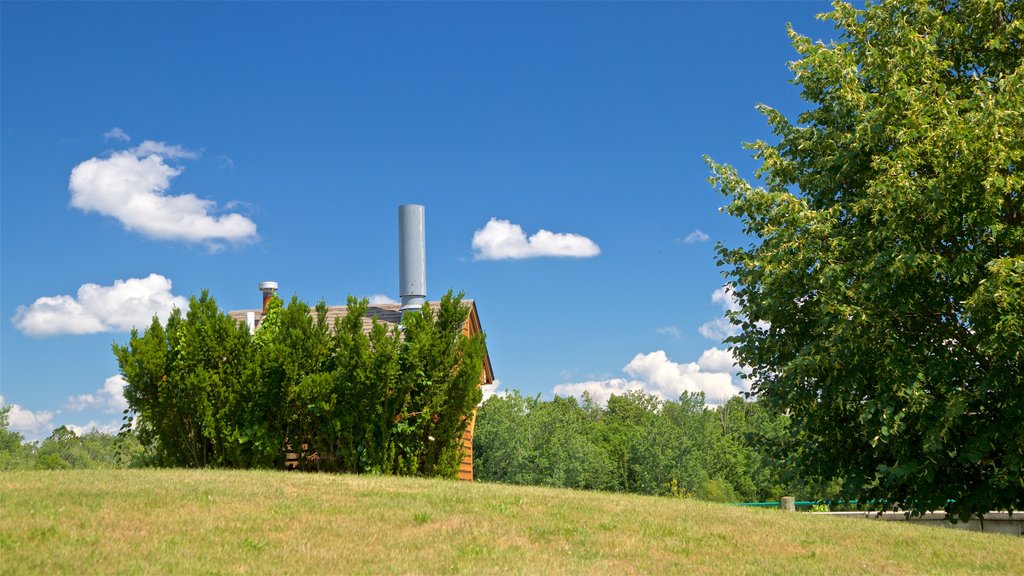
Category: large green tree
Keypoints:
(881, 297)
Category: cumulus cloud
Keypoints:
(131, 186)
(378, 299)
(717, 360)
(721, 328)
(109, 398)
(655, 373)
(116, 133)
(116, 308)
(696, 236)
(503, 240)
(31, 425)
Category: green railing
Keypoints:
(806, 504)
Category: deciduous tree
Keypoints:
(881, 297)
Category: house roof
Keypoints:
(389, 314)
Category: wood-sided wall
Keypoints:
(471, 327)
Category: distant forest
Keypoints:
(638, 443)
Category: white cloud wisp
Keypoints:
(116, 133)
(671, 331)
(695, 237)
(378, 299)
(126, 304)
(503, 240)
(131, 186)
(655, 373)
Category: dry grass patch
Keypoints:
(244, 522)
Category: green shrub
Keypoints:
(205, 392)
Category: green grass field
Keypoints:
(228, 522)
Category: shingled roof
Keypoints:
(390, 315)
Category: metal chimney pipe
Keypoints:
(268, 289)
(412, 257)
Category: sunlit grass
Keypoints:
(188, 521)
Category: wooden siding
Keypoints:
(466, 467)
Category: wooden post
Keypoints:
(788, 503)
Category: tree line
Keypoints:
(64, 449)
(637, 443)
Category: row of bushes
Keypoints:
(203, 391)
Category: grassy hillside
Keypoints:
(176, 521)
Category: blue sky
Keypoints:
(153, 150)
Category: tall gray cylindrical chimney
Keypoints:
(412, 257)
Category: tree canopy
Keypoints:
(881, 295)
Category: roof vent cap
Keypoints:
(268, 289)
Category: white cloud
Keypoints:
(718, 329)
(225, 162)
(116, 133)
(655, 373)
(501, 240)
(672, 379)
(492, 390)
(672, 331)
(726, 297)
(721, 328)
(31, 425)
(112, 427)
(378, 299)
(131, 186)
(109, 398)
(696, 236)
(116, 308)
(37, 425)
